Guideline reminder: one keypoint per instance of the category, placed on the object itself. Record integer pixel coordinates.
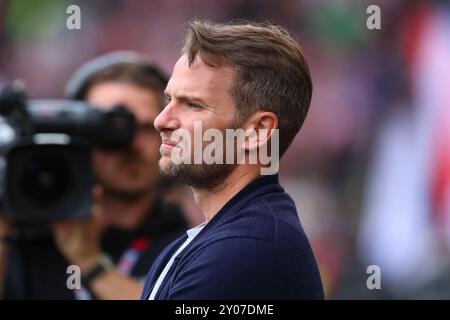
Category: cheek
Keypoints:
(150, 147)
(102, 161)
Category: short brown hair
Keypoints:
(271, 72)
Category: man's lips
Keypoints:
(166, 146)
(169, 143)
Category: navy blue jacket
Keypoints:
(253, 248)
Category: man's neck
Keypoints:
(211, 201)
(127, 215)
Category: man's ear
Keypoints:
(259, 129)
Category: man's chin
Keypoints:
(166, 166)
(207, 177)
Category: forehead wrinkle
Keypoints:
(202, 81)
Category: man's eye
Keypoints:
(194, 106)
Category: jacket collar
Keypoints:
(259, 186)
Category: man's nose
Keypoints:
(167, 120)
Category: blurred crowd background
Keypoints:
(369, 171)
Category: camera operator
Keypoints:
(129, 223)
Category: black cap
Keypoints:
(77, 85)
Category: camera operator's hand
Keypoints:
(79, 240)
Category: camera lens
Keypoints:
(45, 179)
(48, 182)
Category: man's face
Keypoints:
(135, 170)
(196, 93)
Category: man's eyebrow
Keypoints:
(188, 98)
